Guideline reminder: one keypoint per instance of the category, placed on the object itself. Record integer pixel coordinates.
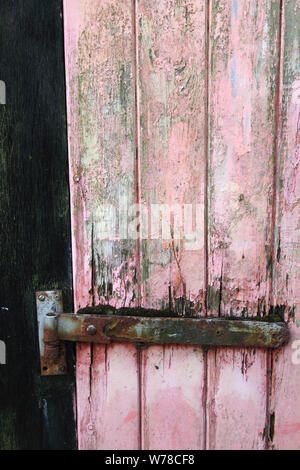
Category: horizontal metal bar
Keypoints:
(161, 330)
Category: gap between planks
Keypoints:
(271, 299)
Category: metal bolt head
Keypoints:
(41, 298)
(91, 330)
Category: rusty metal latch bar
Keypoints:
(104, 329)
(157, 330)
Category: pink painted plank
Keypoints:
(285, 397)
(172, 392)
(84, 412)
(242, 109)
(100, 63)
(171, 138)
(236, 405)
(244, 57)
(172, 92)
(107, 399)
(99, 53)
(113, 398)
(285, 406)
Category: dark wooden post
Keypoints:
(35, 412)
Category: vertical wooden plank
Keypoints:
(100, 70)
(244, 57)
(242, 110)
(171, 137)
(285, 400)
(35, 412)
(172, 390)
(171, 66)
(113, 396)
(236, 406)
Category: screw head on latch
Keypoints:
(91, 330)
(41, 298)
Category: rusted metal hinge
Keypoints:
(52, 351)
(104, 329)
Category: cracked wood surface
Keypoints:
(171, 136)
(242, 113)
(171, 150)
(101, 113)
(285, 384)
(161, 112)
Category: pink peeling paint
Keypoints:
(160, 112)
(172, 409)
(241, 164)
(171, 134)
(285, 399)
(101, 129)
(171, 54)
(236, 399)
(244, 55)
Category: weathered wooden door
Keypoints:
(191, 105)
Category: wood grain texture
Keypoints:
(107, 406)
(172, 398)
(285, 401)
(242, 117)
(243, 73)
(171, 118)
(139, 103)
(101, 105)
(35, 412)
(99, 45)
(171, 146)
(236, 399)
